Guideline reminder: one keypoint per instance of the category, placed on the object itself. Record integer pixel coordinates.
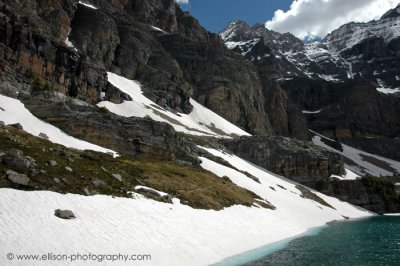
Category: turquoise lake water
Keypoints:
(372, 241)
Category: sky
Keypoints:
(303, 18)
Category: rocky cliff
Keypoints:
(298, 160)
(346, 84)
(151, 41)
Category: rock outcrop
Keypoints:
(353, 113)
(135, 136)
(373, 194)
(298, 160)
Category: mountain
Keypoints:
(125, 125)
(347, 84)
(354, 51)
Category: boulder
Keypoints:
(16, 160)
(43, 135)
(64, 214)
(52, 163)
(16, 178)
(117, 176)
(17, 126)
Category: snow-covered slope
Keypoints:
(362, 162)
(329, 59)
(388, 27)
(173, 234)
(201, 121)
(13, 111)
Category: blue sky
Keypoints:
(303, 18)
(214, 15)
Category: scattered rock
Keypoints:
(86, 191)
(16, 160)
(43, 135)
(69, 169)
(117, 176)
(34, 172)
(98, 183)
(56, 180)
(78, 102)
(227, 179)
(2, 124)
(43, 172)
(17, 126)
(64, 214)
(148, 191)
(16, 178)
(52, 163)
(252, 177)
(282, 187)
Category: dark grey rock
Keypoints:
(17, 126)
(43, 135)
(117, 176)
(16, 160)
(86, 191)
(148, 191)
(56, 180)
(98, 182)
(2, 124)
(16, 178)
(64, 214)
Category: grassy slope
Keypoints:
(191, 184)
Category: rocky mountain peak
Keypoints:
(236, 31)
(393, 13)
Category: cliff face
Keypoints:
(300, 161)
(370, 193)
(347, 84)
(70, 46)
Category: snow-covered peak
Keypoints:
(235, 31)
(348, 35)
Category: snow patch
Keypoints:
(13, 111)
(349, 175)
(388, 90)
(87, 5)
(69, 44)
(158, 29)
(201, 121)
(360, 158)
(328, 77)
(152, 189)
(312, 112)
(385, 90)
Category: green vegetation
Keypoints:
(384, 188)
(92, 172)
(103, 110)
(380, 183)
(39, 86)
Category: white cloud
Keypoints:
(182, 1)
(319, 17)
